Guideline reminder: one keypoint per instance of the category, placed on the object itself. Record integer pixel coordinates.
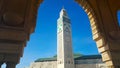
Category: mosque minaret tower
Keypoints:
(64, 41)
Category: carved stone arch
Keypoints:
(92, 17)
(96, 30)
(104, 30)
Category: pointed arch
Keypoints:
(92, 17)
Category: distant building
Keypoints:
(88, 61)
(65, 57)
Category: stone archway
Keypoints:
(103, 20)
(105, 30)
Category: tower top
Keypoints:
(63, 12)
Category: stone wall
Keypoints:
(45, 64)
(90, 63)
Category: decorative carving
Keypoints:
(12, 19)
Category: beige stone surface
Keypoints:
(53, 64)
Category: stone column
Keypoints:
(11, 65)
(16, 25)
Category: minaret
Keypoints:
(64, 42)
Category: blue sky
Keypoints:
(43, 42)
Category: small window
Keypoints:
(118, 16)
(68, 62)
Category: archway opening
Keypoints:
(3, 65)
(43, 41)
(118, 16)
(81, 32)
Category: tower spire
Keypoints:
(63, 12)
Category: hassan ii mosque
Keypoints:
(65, 57)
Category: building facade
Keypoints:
(89, 61)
